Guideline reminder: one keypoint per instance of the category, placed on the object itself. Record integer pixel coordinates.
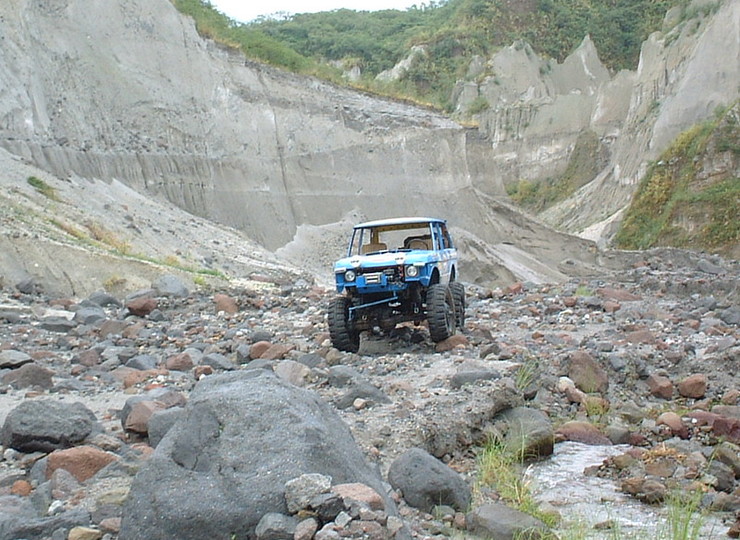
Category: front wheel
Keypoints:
(341, 330)
(440, 312)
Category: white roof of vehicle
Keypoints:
(397, 221)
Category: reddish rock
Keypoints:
(202, 371)
(731, 397)
(660, 386)
(632, 485)
(88, 358)
(617, 294)
(586, 373)
(729, 428)
(636, 439)
(610, 306)
(623, 461)
(570, 301)
(141, 307)
(258, 349)
(144, 450)
(694, 386)
(21, 488)
(575, 395)
(653, 491)
(734, 531)
(515, 288)
(179, 362)
(360, 492)
(111, 525)
(84, 533)
(306, 529)
(225, 303)
(64, 303)
(77, 370)
(674, 423)
(82, 461)
(582, 432)
(663, 467)
(113, 327)
(275, 352)
(29, 376)
(140, 414)
(359, 528)
(132, 330)
(139, 376)
(703, 418)
(452, 342)
(641, 336)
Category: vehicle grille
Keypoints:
(373, 279)
(392, 274)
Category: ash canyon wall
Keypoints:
(108, 101)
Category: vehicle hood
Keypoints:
(385, 259)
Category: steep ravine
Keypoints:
(157, 108)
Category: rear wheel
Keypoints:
(341, 331)
(458, 294)
(440, 312)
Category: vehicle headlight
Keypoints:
(350, 275)
(412, 271)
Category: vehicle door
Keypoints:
(447, 253)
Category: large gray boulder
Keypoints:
(45, 426)
(13, 359)
(426, 482)
(526, 432)
(224, 465)
(170, 285)
(497, 521)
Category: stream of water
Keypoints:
(586, 501)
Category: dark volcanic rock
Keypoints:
(46, 426)
(503, 523)
(426, 482)
(527, 432)
(170, 285)
(13, 359)
(243, 436)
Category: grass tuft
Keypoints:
(502, 469)
(42, 187)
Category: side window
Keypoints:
(436, 236)
(356, 242)
(446, 240)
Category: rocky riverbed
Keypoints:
(224, 413)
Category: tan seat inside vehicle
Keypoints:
(370, 248)
(418, 243)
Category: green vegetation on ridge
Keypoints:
(586, 160)
(452, 32)
(679, 203)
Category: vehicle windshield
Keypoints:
(416, 236)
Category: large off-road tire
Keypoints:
(343, 336)
(440, 312)
(458, 294)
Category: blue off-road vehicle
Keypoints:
(397, 270)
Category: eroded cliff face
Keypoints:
(538, 108)
(127, 90)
